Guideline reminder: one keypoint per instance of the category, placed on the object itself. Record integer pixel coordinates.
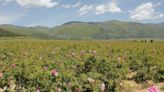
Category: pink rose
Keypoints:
(37, 90)
(45, 68)
(13, 65)
(153, 89)
(54, 72)
(82, 52)
(94, 52)
(73, 54)
(58, 90)
(77, 90)
(91, 80)
(119, 58)
(1, 75)
(102, 87)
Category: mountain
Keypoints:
(90, 30)
(161, 24)
(108, 30)
(76, 31)
(36, 32)
(7, 33)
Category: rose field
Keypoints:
(31, 65)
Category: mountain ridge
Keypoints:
(113, 29)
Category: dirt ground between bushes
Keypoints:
(132, 86)
(160, 86)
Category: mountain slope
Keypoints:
(76, 31)
(117, 29)
(108, 30)
(91, 30)
(4, 33)
(37, 32)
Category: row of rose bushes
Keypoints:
(78, 71)
(92, 75)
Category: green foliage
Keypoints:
(81, 65)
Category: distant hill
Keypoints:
(89, 30)
(4, 33)
(36, 32)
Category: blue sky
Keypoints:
(57, 12)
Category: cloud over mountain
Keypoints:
(146, 11)
(108, 8)
(86, 9)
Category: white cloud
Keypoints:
(37, 3)
(78, 4)
(146, 11)
(100, 9)
(86, 9)
(66, 6)
(110, 8)
(5, 2)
